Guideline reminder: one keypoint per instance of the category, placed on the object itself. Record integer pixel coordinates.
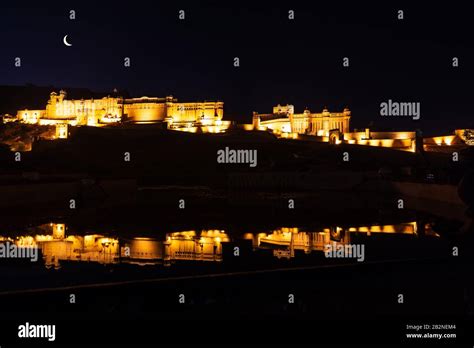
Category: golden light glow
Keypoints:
(205, 245)
(408, 228)
(287, 242)
(184, 245)
(109, 110)
(443, 140)
(284, 120)
(247, 127)
(207, 117)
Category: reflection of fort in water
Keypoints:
(285, 241)
(57, 246)
(206, 245)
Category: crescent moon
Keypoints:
(65, 41)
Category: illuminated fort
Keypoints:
(109, 110)
(334, 128)
(284, 120)
(207, 117)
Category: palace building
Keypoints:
(59, 110)
(207, 117)
(187, 116)
(179, 116)
(284, 120)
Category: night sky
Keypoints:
(281, 61)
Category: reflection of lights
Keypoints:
(183, 234)
(43, 238)
(406, 228)
(444, 140)
(106, 242)
(206, 247)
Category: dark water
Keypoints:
(63, 255)
(142, 277)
